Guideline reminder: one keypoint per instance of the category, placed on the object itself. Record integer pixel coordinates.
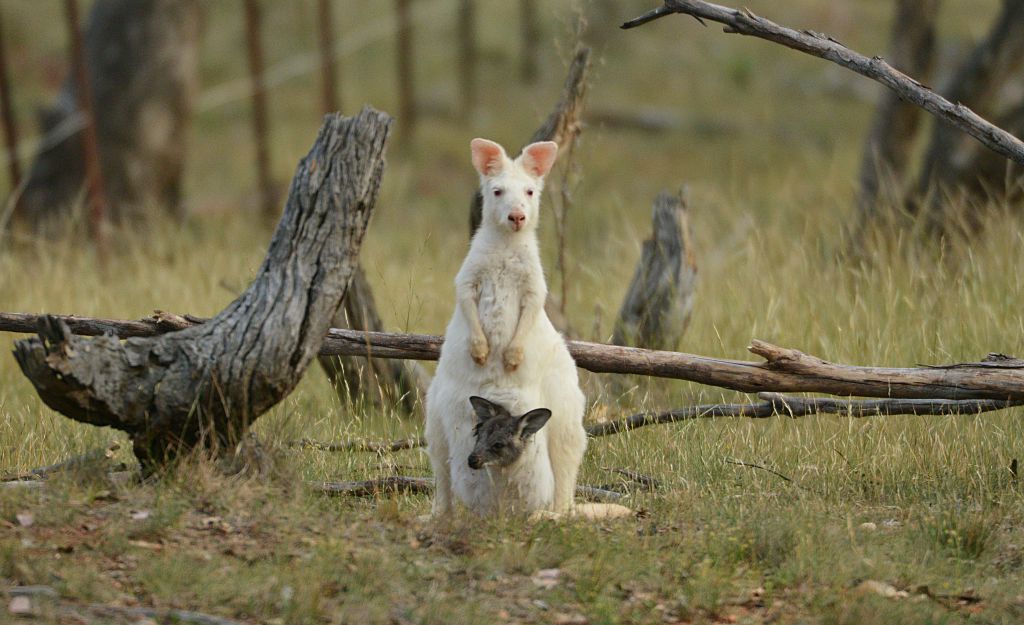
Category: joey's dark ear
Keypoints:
(531, 422)
(486, 409)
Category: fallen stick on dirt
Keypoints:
(787, 370)
(96, 457)
(754, 465)
(425, 485)
(744, 22)
(75, 610)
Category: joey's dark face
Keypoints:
(500, 436)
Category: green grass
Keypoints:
(771, 198)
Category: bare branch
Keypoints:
(772, 405)
(816, 44)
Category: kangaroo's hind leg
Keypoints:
(567, 440)
(437, 449)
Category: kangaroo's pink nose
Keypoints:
(518, 218)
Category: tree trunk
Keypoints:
(376, 380)
(887, 149)
(205, 385)
(142, 58)
(657, 306)
(976, 84)
(982, 174)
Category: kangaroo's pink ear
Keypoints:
(488, 156)
(538, 158)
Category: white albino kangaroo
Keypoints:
(501, 345)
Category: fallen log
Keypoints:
(205, 384)
(786, 370)
(744, 22)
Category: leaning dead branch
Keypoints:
(205, 384)
(563, 124)
(816, 44)
(785, 370)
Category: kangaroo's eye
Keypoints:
(498, 446)
(529, 192)
(497, 193)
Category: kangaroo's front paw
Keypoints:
(479, 349)
(513, 357)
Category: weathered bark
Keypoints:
(975, 84)
(562, 126)
(205, 385)
(786, 370)
(142, 58)
(376, 380)
(657, 306)
(816, 44)
(886, 155)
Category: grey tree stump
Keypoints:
(206, 384)
(142, 59)
(657, 306)
(366, 378)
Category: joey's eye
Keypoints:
(498, 446)
(497, 193)
(529, 192)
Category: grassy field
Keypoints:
(924, 509)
